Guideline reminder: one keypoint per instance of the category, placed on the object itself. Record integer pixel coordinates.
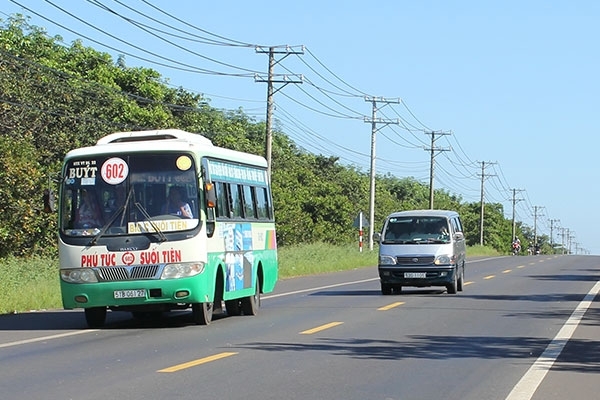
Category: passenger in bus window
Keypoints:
(175, 205)
(88, 214)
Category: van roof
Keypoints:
(424, 213)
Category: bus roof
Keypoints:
(160, 134)
(163, 140)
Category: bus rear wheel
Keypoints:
(95, 316)
(202, 313)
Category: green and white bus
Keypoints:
(154, 221)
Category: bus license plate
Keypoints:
(415, 275)
(129, 294)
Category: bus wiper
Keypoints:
(113, 218)
(107, 225)
(140, 207)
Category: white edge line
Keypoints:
(43, 338)
(529, 383)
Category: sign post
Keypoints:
(360, 222)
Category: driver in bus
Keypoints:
(88, 214)
(175, 205)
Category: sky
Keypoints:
(509, 88)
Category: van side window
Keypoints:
(456, 225)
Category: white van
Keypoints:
(421, 248)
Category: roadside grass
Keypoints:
(29, 284)
(32, 283)
(317, 258)
(477, 251)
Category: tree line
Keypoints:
(54, 98)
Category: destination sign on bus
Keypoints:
(170, 225)
(227, 172)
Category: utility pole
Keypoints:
(514, 202)
(552, 221)
(571, 237)
(433, 149)
(535, 215)
(374, 121)
(483, 176)
(270, 79)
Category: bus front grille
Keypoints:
(136, 272)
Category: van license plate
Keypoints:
(129, 294)
(415, 275)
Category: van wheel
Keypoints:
(461, 279)
(451, 288)
(386, 289)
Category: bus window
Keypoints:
(222, 204)
(236, 200)
(249, 211)
(262, 203)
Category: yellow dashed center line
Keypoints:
(507, 271)
(390, 306)
(320, 328)
(521, 266)
(194, 363)
(489, 277)
(468, 283)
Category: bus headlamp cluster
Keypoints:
(78, 275)
(182, 270)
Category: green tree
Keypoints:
(25, 228)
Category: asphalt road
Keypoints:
(523, 328)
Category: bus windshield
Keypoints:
(129, 194)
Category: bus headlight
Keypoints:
(182, 270)
(78, 275)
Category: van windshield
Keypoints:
(416, 230)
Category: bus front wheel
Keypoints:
(202, 313)
(95, 316)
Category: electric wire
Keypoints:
(143, 28)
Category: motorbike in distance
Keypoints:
(516, 248)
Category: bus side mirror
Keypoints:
(211, 202)
(49, 201)
(211, 196)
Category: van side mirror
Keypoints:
(459, 236)
(376, 237)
